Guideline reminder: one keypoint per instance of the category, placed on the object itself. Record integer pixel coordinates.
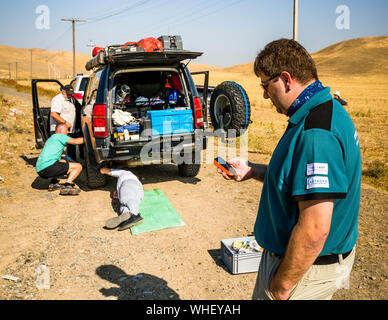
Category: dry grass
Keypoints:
(45, 89)
(16, 135)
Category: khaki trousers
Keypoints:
(318, 283)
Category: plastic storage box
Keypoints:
(171, 121)
(171, 42)
(239, 263)
(129, 127)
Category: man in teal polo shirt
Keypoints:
(50, 165)
(308, 213)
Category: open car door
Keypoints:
(41, 113)
(204, 91)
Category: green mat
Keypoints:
(158, 213)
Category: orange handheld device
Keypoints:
(221, 163)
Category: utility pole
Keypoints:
(9, 70)
(48, 67)
(73, 21)
(16, 76)
(295, 29)
(90, 45)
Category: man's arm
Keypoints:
(57, 117)
(107, 171)
(76, 140)
(306, 242)
(258, 171)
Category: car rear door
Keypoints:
(41, 112)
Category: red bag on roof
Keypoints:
(150, 44)
(131, 43)
(96, 50)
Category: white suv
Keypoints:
(79, 85)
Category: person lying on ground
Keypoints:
(50, 165)
(129, 192)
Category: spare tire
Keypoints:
(229, 102)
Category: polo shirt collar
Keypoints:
(322, 95)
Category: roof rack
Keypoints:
(131, 54)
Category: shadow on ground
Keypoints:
(216, 256)
(142, 286)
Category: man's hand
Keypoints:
(68, 124)
(277, 291)
(105, 170)
(241, 167)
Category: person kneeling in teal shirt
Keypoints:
(50, 165)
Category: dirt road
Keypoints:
(88, 262)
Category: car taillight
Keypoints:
(99, 120)
(78, 95)
(198, 112)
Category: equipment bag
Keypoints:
(150, 44)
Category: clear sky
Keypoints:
(229, 32)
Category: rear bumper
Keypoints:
(166, 148)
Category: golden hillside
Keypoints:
(368, 55)
(46, 63)
(59, 63)
(351, 57)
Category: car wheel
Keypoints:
(230, 107)
(94, 177)
(188, 169)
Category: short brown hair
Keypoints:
(286, 55)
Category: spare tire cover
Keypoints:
(230, 107)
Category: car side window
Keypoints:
(93, 87)
(83, 84)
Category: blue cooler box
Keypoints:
(171, 121)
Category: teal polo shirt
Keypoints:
(52, 151)
(318, 157)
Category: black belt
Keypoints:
(330, 258)
(322, 260)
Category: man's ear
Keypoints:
(286, 77)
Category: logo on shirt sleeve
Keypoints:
(317, 182)
(317, 168)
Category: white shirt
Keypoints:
(122, 176)
(65, 108)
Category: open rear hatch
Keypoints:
(148, 103)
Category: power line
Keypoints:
(128, 16)
(183, 18)
(181, 15)
(56, 39)
(117, 12)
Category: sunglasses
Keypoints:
(266, 83)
